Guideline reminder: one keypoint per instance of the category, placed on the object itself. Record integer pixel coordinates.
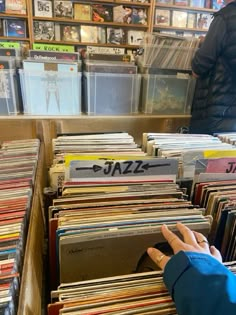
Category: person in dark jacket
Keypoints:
(196, 278)
(214, 64)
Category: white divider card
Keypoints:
(124, 169)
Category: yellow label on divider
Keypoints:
(219, 153)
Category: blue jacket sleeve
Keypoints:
(199, 284)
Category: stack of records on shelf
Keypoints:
(167, 51)
(167, 82)
(111, 208)
(10, 61)
(56, 80)
(187, 148)
(214, 188)
(18, 162)
(111, 85)
(142, 293)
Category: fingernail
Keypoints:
(165, 226)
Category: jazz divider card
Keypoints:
(125, 169)
(56, 84)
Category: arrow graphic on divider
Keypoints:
(95, 168)
(147, 165)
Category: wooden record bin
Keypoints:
(32, 288)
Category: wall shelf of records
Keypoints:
(95, 22)
(192, 16)
(14, 20)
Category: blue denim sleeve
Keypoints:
(199, 284)
(206, 56)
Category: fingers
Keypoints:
(216, 253)
(188, 235)
(202, 241)
(158, 257)
(172, 239)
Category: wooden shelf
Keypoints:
(86, 44)
(184, 8)
(7, 16)
(92, 23)
(175, 28)
(18, 39)
(128, 3)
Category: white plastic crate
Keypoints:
(9, 97)
(167, 94)
(51, 92)
(111, 93)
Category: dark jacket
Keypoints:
(200, 285)
(214, 104)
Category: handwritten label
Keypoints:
(9, 45)
(223, 165)
(105, 50)
(60, 48)
(130, 168)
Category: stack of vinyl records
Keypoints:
(18, 162)
(167, 51)
(111, 207)
(187, 148)
(141, 293)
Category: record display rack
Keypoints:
(167, 24)
(150, 7)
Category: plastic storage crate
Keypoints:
(51, 92)
(167, 94)
(111, 94)
(9, 96)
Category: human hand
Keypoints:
(195, 75)
(193, 242)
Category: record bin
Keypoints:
(9, 96)
(167, 94)
(51, 92)
(111, 93)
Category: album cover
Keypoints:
(139, 16)
(15, 28)
(8, 93)
(204, 20)
(197, 3)
(135, 37)
(122, 14)
(63, 9)
(191, 20)
(162, 17)
(179, 18)
(2, 5)
(117, 36)
(56, 83)
(82, 12)
(1, 28)
(102, 13)
(88, 34)
(43, 8)
(181, 2)
(217, 4)
(44, 30)
(51, 55)
(15, 6)
(164, 1)
(70, 33)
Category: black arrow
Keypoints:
(95, 168)
(147, 165)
